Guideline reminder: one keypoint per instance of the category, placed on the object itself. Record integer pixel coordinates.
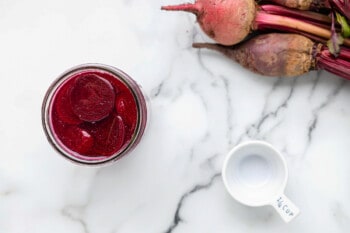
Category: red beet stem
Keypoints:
(339, 65)
(342, 6)
(264, 20)
(194, 8)
(297, 14)
(344, 53)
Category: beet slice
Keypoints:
(109, 135)
(63, 107)
(92, 98)
(77, 139)
(126, 107)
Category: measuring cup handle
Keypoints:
(285, 208)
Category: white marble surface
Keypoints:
(202, 106)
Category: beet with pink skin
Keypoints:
(229, 22)
(92, 98)
(226, 21)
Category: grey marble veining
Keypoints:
(202, 104)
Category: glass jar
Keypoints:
(94, 114)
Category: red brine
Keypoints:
(94, 113)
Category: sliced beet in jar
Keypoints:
(94, 114)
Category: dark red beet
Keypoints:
(109, 135)
(92, 98)
(77, 139)
(64, 108)
(126, 108)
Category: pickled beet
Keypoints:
(77, 139)
(123, 103)
(92, 98)
(63, 107)
(109, 135)
(94, 114)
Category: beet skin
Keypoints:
(271, 54)
(227, 22)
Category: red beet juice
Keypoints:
(94, 114)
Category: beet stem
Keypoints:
(265, 20)
(344, 53)
(342, 6)
(337, 65)
(297, 14)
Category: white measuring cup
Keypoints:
(255, 174)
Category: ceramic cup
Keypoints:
(255, 174)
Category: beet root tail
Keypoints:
(226, 50)
(194, 8)
(205, 46)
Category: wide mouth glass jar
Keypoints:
(94, 114)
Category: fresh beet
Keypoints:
(92, 98)
(227, 22)
(286, 55)
(271, 55)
